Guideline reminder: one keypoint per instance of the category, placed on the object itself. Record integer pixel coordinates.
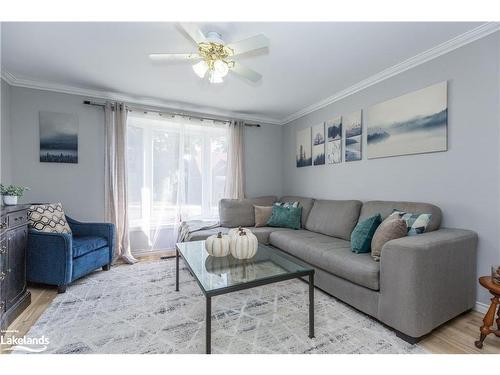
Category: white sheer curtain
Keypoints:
(177, 172)
(235, 177)
(116, 207)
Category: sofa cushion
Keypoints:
(262, 215)
(334, 218)
(330, 254)
(262, 233)
(390, 229)
(84, 245)
(305, 203)
(285, 217)
(240, 212)
(48, 218)
(385, 208)
(361, 236)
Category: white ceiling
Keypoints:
(306, 62)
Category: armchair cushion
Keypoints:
(48, 218)
(87, 244)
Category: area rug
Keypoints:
(135, 309)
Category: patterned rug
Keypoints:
(134, 309)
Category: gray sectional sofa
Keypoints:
(420, 282)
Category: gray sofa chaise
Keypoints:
(420, 282)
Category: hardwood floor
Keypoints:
(455, 337)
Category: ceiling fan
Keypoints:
(214, 56)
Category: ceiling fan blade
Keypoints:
(245, 72)
(174, 56)
(246, 45)
(194, 32)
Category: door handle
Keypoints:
(3, 249)
(2, 276)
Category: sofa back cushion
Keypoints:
(305, 203)
(334, 218)
(385, 208)
(240, 212)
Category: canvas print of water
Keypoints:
(58, 137)
(414, 123)
(353, 131)
(334, 152)
(303, 155)
(318, 147)
(334, 129)
(353, 148)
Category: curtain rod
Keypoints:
(132, 108)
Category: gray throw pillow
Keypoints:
(390, 229)
(262, 215)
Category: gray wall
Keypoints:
(464, 181)
(80, 187)
(5, 134)
(263, 160)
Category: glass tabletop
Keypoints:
(214, 274)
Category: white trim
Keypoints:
(439, 50)
(12, 80)
(481, 307)
(432, 53)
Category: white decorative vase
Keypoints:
(10, 200)
(217, 245)
(244, 245)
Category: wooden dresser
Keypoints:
(14, 296)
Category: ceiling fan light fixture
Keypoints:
(215, 77)
(221, 67)
(200, 68)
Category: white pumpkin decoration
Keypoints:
(237, 231)
(243, 246)
(217, 245)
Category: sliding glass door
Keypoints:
(176, 172)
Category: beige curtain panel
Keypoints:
(235, 177)
(116, 204)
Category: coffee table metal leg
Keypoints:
(208, 325)
(311, 305)
(176, 270)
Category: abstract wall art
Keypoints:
(303, 155)
(414, 123)
(58, 137)
(318, 144)
(353, 136)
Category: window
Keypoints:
(176, 169)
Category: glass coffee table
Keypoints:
(217, 276)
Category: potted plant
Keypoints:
(11, 193)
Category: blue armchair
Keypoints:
(60, 258)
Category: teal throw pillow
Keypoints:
(285, 217)
(361, 236)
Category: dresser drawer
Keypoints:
(17, 218)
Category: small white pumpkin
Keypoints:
(237, 231)
(243, 246)
(217, 245)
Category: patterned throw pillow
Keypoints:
(48, 218)
(416, 223)
(287, 204)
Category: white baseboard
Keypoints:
(481, 307)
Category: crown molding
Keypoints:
(432, 53)
(439, 50)
(13, 80)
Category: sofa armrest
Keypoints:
(106, 230)
(49, 258)
(427, 279)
